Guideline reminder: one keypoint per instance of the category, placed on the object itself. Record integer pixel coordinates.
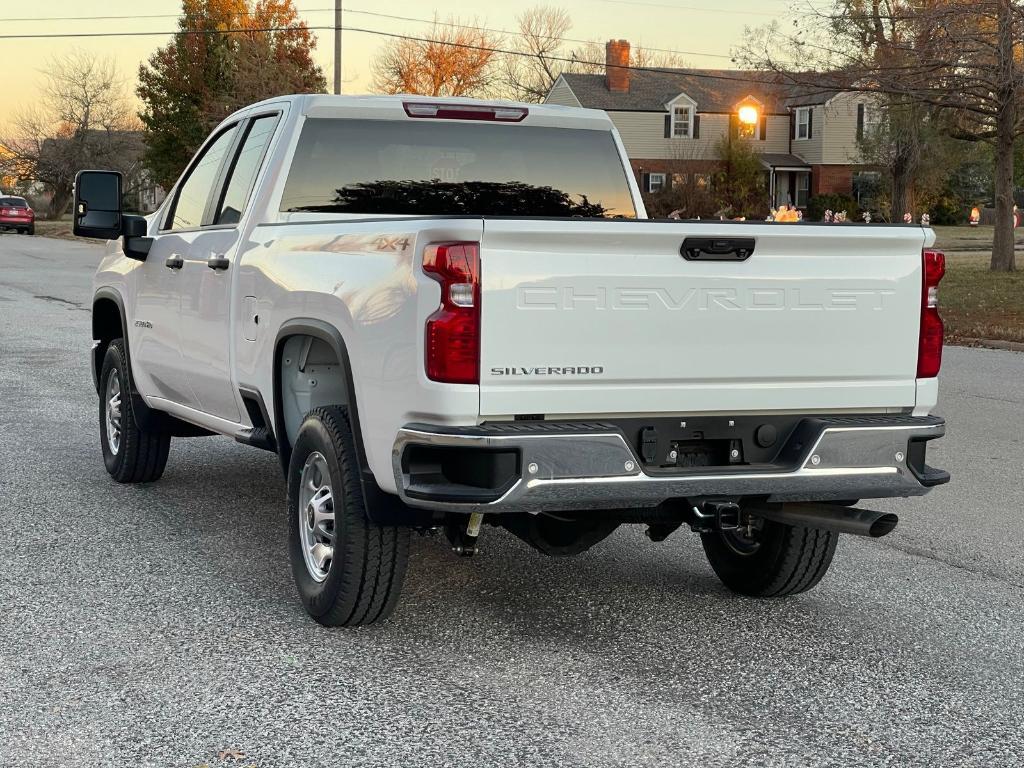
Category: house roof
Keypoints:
(774, 160)
(714, 90)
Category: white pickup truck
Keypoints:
(443, 313)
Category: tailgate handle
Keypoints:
(717, 248)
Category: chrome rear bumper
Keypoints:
(562, 466)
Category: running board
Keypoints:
(258, 437)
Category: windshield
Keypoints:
(447, 168)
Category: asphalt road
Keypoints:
(158, 625)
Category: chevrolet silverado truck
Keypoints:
(443, 314)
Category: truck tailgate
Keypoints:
(607, 317)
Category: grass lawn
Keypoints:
(974, 302)
(60, 229)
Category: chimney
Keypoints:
(616, 63)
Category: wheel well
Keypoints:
(311, 370)
(308, 375)
(106, 326)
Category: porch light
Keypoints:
(748, 115)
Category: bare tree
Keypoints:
(541, 31)
(956, 58)
(654, 58)
(451, 59)
(542, 50)
(83, 119)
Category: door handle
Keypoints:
(174, 261)
(218, 263)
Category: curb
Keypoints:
(1012, 346)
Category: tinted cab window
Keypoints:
(435, 168)
(194, 192)
(13, 202)
(247, 165)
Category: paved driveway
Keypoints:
(158, 625)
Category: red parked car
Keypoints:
(15, 213)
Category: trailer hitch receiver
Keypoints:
(713, 516)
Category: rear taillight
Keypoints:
(929, 348)
(453, 331)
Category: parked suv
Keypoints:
(446, 313)
(15, 213)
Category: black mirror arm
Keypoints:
(137, 247)
(135, 242)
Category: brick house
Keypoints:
(671, 121)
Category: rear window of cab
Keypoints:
(13, 202)
(423, 168)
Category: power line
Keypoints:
(376, 14)
(667, 6)
(364, 30)
(520, 34)
(741, 77)
(693, 8)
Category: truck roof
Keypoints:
(384, 107)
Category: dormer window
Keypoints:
(682, 122)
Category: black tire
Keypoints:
(31, 230)
(141, 455)
(784, 560)
(364, 577)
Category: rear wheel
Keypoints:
(348, 571)
(131, 454)
(31, 230)
(769, 559)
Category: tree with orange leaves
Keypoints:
(228, 53)
(451, 59)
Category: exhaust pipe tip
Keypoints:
(829, 517)
(883, 526)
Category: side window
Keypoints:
(195, 190)
(247, 165)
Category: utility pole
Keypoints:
(337, 46)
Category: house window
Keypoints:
(871, 119)
(803, 189)
(682, 120)
(702, 181)
(803, 123)
(679, 179)
(655, 182)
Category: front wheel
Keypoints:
(770, 559)
(348, 571)
(131, 454)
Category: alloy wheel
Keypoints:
(316, 518)
(113, 412)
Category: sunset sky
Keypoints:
(704, 31)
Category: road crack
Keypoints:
(59, 300)
(958, 564)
